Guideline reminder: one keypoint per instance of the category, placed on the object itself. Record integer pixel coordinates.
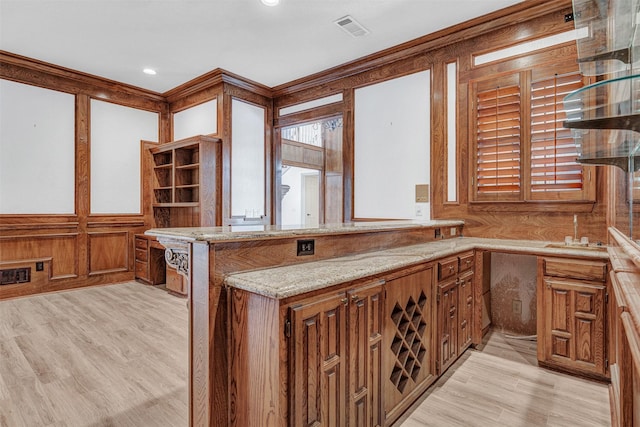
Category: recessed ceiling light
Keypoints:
(270, 2)
(149, 71)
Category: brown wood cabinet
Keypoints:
(572, 310)
(187, 182)
(149, 260)
(455, 308)
(409, 357)
(328, 333)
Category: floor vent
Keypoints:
(12, 276)
(351, 26)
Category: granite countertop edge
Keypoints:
(232, 233)
(288, 281)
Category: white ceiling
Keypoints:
(183, 39)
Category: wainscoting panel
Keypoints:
(108, 252)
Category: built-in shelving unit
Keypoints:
(186, 182)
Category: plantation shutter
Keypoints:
(553, 151)
(498, 141)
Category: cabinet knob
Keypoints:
(344, 301)
(354, 297)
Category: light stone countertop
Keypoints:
(254, 232)
(288, 281)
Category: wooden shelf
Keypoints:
(189, 166)
(177, 205)
(186, 173)
(625, 122)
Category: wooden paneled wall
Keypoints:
(525, 21)
(82, 249)
(79, 249)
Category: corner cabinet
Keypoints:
(572, 312)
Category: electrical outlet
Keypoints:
(454, 231)
(39, 266)
(419, 210)
(516, 306)
(306, 247)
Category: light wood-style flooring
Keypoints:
(117, 356)
(104, 356)
(503, 386)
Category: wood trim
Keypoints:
(39, 236)
(312, 114)
(631, 248)
(520, 12)
(39, 73)
(122, 223)
(532, 206)
(632, 338)
(40, 226)
(214, 78)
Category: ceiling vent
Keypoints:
(351, 26)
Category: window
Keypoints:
(553, 150)
(498, 141)
(521, 151)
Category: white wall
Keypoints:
(116, 132)
(199, 120)
(37, 150)
(247, 159)
(392, 147)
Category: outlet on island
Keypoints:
(306, 247)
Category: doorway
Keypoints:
(300, 203)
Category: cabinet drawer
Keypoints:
(141, 243)
(141, 270)
(447, 268)
(575, 269)
(466, 261)
(141, 255)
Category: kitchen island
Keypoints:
(347, 322)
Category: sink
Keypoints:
(581, 247)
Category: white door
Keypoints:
(311, 199)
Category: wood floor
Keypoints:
(117, 356)
(103, 356)
(503, 386)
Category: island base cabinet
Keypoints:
(409, 362)
(336, 352)
(318, 362)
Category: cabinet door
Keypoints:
(574, 323)
(318, 362)
(409, 356)
(465, 307)
(447, 324)
(365, 355)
